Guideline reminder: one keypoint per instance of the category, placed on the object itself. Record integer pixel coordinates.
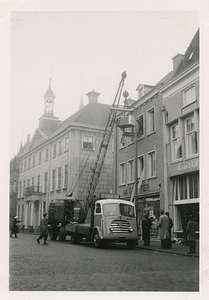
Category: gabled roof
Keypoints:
(94, 114)
(190, 57)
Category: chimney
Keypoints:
(176, 60)
(93, 96)
(28, 138)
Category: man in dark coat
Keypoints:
(191, 235)
(14, 227)
(170, 226)
(43, 230)
(146, 225)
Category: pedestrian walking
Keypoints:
(146, 225)
(15, 227)
(191, 235)
(170, 226)
(163, 229)
(43, 230)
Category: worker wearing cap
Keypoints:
(43, 229)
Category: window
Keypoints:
(38, 183)
(141, 92)
(151, 121)
(151, 164)
(28, 163)
(34, 160)
(140, 165)
(25, 165)
(20, 190)
(140, 121)
(54, 150)
(21, 167)
(60, 147)
(130, 170)
(191, 137)
(66, 143)
(45, 181)
(59, 178)
(47, 154)
(122, 173)
(88, 142)
(176, 144)
(24, 187)
(33, 181)
(39, 158)
(66, 176)
(53, 179)
(122, 139)
(186, 187)
(28, 182)
(189, 96)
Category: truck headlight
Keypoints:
(130, 229)
(111, 229)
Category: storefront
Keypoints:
(184, 192)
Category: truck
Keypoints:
(108, 220)
(98, 220)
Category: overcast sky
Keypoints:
(81, 51)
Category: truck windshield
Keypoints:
(114, 209)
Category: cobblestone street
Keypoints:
(61, 266)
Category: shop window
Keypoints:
(122, 173)
(189, 96)
(176, 144)
(88, 142)
(191, 137)
(151, 164)
(186, 187)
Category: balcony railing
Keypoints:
(30, 190)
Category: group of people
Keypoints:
(165, 226)
(43, 229)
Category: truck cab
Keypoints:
(114, 221)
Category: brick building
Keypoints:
(181, 118)
(59, 158)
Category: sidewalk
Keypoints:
(177, 249)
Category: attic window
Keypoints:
(191, 55)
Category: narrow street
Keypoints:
(61, 266)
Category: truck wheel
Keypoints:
(131, 244)
(52, 235)
(62, 234)
(97, 240)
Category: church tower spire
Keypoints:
(81, 100)
(49, 97)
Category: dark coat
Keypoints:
(146, 225)
(191, 227)
(14, 227)
(44, 226)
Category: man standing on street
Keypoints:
(163, 229)
(43, 230)
(170, 226)
(146, 225)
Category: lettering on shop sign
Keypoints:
(189, 165)
(144, 188)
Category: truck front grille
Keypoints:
(120, 226)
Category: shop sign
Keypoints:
(189, 165)
(144, 188)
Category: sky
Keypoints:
(85, 50)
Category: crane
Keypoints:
(99, 161)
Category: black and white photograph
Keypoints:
(104, 146)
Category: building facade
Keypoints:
(60, 156)
(147, 154)
(14, 176)
(181, 126)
